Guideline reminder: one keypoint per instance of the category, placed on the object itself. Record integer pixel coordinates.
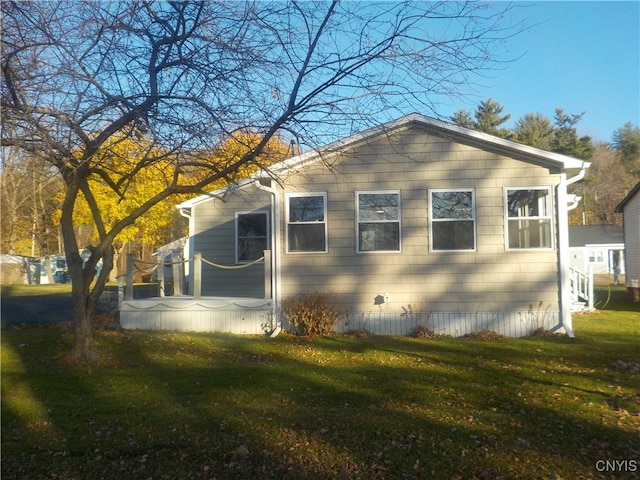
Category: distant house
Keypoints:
(599, 248)
(630, 209)
(416, 222)
(17, 269)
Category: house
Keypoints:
(18, 269)
(597, 248)
(630, 209)
(414, 223)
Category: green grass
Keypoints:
(33, 290)
(167, 405)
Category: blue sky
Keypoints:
(579, 56)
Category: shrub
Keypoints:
(423, 332)
(313, 314)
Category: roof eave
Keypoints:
(555, 162)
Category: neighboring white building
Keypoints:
(597, 247)
(630, 209)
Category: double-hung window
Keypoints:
(528, 218)
(378, 221)
(252, 235)
(453, 219)
(596, 256)
(306, 222)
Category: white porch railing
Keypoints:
(582, 286)
(125, 289)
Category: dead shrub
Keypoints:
(423, 332)
(312, 314)
(486, 335)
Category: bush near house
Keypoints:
(313, 314)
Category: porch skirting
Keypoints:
(255, 317)
(509, 324)
(218, 314)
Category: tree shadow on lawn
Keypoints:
(198, 406)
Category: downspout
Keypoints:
(275, 253)
(564, 259)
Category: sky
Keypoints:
(579, 56)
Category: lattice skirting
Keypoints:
(254, 316)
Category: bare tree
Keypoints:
(186, 75)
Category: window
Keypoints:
(378, 221)
(252, 236)
(596, 256)
(453, 223)
(528, 218)
(306, 222)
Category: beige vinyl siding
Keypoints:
(411, 161)
(215, 237)
(489, 279)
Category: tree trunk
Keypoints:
(84, 348)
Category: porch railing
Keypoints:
(582, 286)
(125, 283)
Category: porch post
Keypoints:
(128, 291)
(197, 275)
(177, 283)
(120, 289)
(590, 303)
(160, 271)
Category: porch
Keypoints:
(178, 307)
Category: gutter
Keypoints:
(275, 253)
(564, 259)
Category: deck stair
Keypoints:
(581, 290)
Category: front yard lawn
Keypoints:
(203, 406)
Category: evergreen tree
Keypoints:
(489, 118)
(534, 129)
(566, 140)
(626, 142)
(462, 118)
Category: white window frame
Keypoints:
(288, 196)
(473, 219)
(398, 221)
(237, 238)
(549, 217)
(597, 254)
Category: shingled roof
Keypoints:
(581, 235)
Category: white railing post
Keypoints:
(160, 275)
(590, 280)
(120, 289)
(128, 291)
(177, 284)
(197, 275)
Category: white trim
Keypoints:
(235, 238)
(474, 218)
(358, 222)
(549, 217)
(288, 222)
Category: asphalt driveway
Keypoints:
(47, 308)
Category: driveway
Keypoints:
(47, 308)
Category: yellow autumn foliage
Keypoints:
(136, 171)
